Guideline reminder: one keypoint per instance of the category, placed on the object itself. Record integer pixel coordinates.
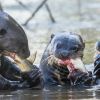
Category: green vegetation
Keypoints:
(90, 36)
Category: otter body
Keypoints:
(96, 71)
(63, 47)
(12, 78)
(13, 39)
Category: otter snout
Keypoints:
(12, 36)
(24, 54)
(65, 54)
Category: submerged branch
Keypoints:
(50, 14)
(1, 8)
(23, 5)
(33, 14)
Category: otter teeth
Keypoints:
(11, 55)
(21, 63)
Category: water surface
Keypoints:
(53, 94)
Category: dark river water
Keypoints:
(55, 93)
(52, 94)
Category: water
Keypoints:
(53, 94)
(80, 16)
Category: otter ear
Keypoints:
(97, 46)
(52, 35)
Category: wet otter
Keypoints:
(58, 61)
(96, 71)
(12, 36)
(13, 41)
(13, 78)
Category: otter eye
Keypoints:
(75, 49)
(3, 32)
(59, 45)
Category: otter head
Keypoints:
(67, 45)
(12, 36)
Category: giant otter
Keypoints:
(13, 78)
(96, 71)
(12, 36)
(61, 63)
(13, 42)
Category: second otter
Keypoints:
(58, 63)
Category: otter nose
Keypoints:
(65, 54)
(24, 53)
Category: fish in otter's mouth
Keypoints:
(24, 65)
(75, 67)
(71, 64)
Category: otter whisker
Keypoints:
(46, 59)
(53, 60)
(50, 60)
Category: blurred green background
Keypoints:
(80, 16)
